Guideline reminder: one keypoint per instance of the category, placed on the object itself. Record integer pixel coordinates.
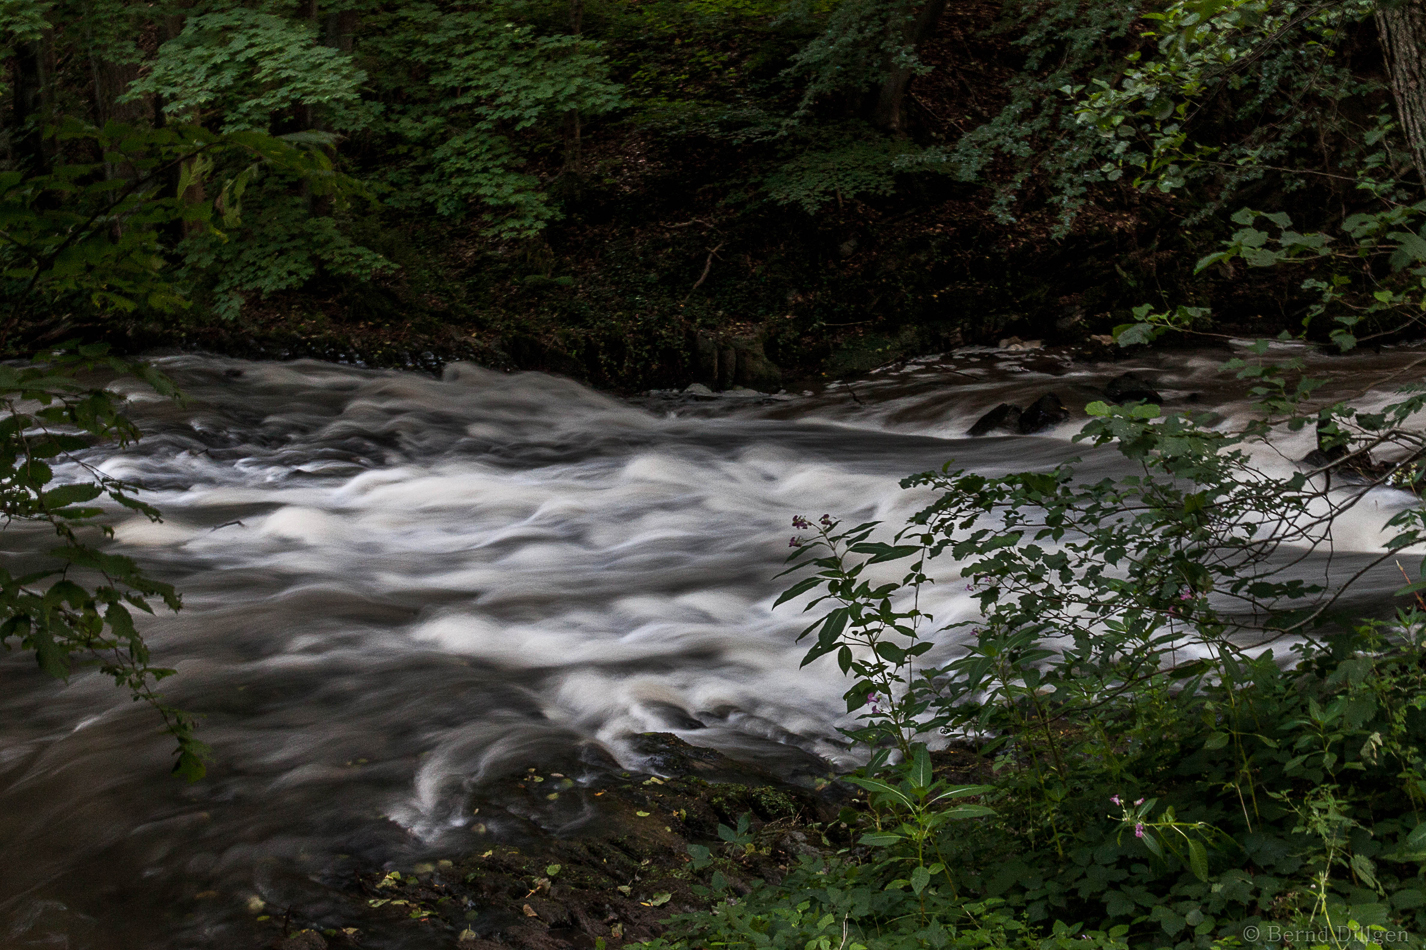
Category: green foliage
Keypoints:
(485, 79)
(239, 68)
(74, 602)
(73, 241)
(1126, 654)
(1064, 42)
(277, 245)
(1147, 117)
(860, 42)
(858, 168)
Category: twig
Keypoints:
(707, 267)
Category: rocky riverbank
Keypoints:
(566, 860)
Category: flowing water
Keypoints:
(396, 587)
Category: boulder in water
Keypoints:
(1003, 416)
(1043, 413)
(1131, 387)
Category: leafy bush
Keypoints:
(1185, 745)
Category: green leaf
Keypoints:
(66, 495)
(189, 766)
(1198, 860)
(801, 587)
(920, 877)
(920, 773)
(885, 552)
(880, 839)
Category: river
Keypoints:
(396, 587)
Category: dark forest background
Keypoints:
(643, 193)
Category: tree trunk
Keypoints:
(30, 101)
(337, 33)
(890, 113)
(1403, 41)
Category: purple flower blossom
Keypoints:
(826, 521)
(1115, 799)
(1185, 595)
(801, 523)
(1138, 829)
(1139, 802)
(795, 543)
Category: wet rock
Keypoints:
(795, 844)
(1334, 454)
(725, 364)
(697, 389)
(626, 868)
(550, 912)
(1043, 413)
(753, 369)
(674, 717)
(667, 754)
(469, 941)
(1004, 417)
(727, 367)
(1131, 387)
(705, 360)
(305, 940)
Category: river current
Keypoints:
(396, 587)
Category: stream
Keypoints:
(396, 587)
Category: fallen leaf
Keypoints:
(530, 912)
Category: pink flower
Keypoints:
(1138, 829)
(1115, 799)
(1185, 595)
(1139, 802)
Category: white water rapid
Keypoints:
(395, 586)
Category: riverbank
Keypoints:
(598, 853)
